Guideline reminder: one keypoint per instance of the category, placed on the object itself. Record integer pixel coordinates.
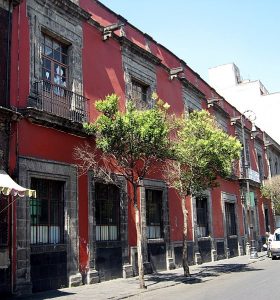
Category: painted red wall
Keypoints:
(229, 187)
(20, 62)
(170, 91)
(102, 68)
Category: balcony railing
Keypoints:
(252, 175)
(59, 101)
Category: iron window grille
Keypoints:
(154, 214)
(267, 223)
(139, 94)
(4, 220)
(202, 217)
(230, 218)
(107, 212)
(47, 212)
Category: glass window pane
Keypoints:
(56, 46)
(46, 74)
(57, 56)
(64, 59)
(64, 49)
(48, 41)
(46, 63)
(48, 51)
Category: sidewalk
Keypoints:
(125, 288)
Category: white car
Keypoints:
(275, 244)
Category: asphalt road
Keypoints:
(258, 281)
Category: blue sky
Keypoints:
(208, 33)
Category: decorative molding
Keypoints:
(68, 7)
(46, 119)
(126, 43)
(190, 86)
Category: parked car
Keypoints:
(274, 247)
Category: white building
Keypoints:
(248, 95)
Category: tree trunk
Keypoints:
(185, 239)
(139, 240)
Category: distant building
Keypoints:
(247, 94)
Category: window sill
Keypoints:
(204, 238)
(39, 248)
(232, 236)
(156, 241)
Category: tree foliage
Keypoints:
(132, 139)
(201, 152)
(131, 143)
(271, 190)
(204, 152)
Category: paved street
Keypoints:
(259, 280)
(236, 278)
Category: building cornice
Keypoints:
(190, 86)
(127, 44)
(43, 118)
(68, 7)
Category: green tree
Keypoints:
(131, 142)
(201, 152)
(271, 190)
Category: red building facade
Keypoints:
(64, 56)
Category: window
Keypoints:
(276, 167)
(139, 93)
(47, 212)
(202, 217)
(247, 157)
(266, 218)
(107, 212)
(54, 61)
(230, 218)
(4, 220)
(154, 219)
(260, 164)
(270, 166)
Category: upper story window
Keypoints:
(243, 166)
(260, 163)
(270, 166)
(54, 61)
(139, 93)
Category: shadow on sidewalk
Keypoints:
(43, 295)
(197, 277)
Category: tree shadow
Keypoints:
(197, 277)
(43, 295)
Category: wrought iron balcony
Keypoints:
(59, 101)
(251, 174)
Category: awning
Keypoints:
(9, 187)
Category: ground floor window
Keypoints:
(47, 212)
(202, 217)
(154, 214)
(230, 218)
(266, 218)
(3, 220)
(107, 212)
